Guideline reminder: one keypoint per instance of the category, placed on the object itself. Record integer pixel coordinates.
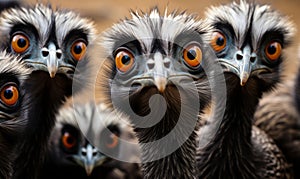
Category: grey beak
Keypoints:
(89, 162)
(159, 66)
(52, 55)
(89, 157)
(245, 66)
(245, 71)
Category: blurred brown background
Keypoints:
(107, 12)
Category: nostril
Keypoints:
(252, 59)
(58, 54)
(45, 53)
(150, 65)
(239, 56)
(83, 153)
(167, 64)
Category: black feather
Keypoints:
(231, 153)
(46, 96)
(12, 125)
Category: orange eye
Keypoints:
(68, 140)
(273, 51)
(9, 95)
(19, 43)
(124, 60)
(218, 41)
(114, 140)
(192, 55)
(78, 50)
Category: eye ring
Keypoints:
(20, 43)
(114, 142)
(273, 50)
(124, 60)
(192, 55)
(78, 49)
(218, 41)
(68, 140)
(9, 94)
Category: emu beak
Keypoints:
(52, 55)
(52, 62)
(161, 83)
(242, 64)
(89, 157)
(160, 71)
(245, 72)
(245, 68)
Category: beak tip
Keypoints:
(244, 81)
(52, 74)
(89, 169)
(161, 83)
(88, 173)
(52, 71)
(244, 78)
(161, 89)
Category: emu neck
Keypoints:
(178, 164)
(46, 96)
(173, 139)
(230, 153)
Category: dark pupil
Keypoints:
(125, 59)
(8, 94)
(191, 54)
(271, 49)
(70, 140)
(77, 49)
(22, 43)
(220, 41)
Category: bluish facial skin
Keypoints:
(159, 68)
(76, 149)
(50, 57)
(44, 39)
(244, 61)
(89, 158)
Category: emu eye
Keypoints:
(9, 94)
(68, 140)
(124, 60)
(19, 43)
(273, 50)
(78, 50)
(192, 55)
(218, 41)
(112, 141)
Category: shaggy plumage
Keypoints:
(13, 101)
(51, 42)
(71, 155)
(248, 39)
(278, 115)
(159, 78)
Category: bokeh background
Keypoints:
(107, 12)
